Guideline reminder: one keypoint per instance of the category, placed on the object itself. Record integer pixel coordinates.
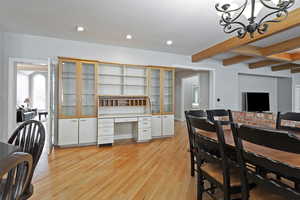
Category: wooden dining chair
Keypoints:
(216, 168)
(195, 113)
(224, 116)
(289, 116)
(14, 175)
(30, 137)
(268, 188)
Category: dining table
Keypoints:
(6, 150)
(291, 159)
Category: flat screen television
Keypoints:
(256, 101)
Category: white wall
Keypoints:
(295, 82)
(284, 92)
(35, 47)
(250, 83)
(2, 89)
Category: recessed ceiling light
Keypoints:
(80, 28)
(128, 37)
(169, 42)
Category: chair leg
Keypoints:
(200, 185)
(192, 164)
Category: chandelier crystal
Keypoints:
(231, 14)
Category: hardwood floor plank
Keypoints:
(158, 170)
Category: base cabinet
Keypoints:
(162, 125)
(156, 126)
(168, 125)
(67, 131)
(87, 130)
(77, 131)
(105, 131)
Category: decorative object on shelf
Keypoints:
(231, 15)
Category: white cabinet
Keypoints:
(167, 125)
(156, 126)
(68, 131)
(87, 130)
(77, 131)
(105, 131)
(144, 129)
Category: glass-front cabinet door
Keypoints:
(155, 90)
(68, 89)
(87, 90)
(168, 91)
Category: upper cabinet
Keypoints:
(162, 90)
(119, 79)
(77, 89)
(88, 89)
(168, 91)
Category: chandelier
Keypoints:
(231, 14)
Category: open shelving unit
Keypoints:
(119, 79)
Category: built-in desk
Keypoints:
(141, 126)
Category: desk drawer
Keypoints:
(144, 134)
(144, 124)
(127, 119)
(105, 131)
(105, 122)
(105, 140)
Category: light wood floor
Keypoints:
(159, 170)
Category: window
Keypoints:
(22, 88)
(39, 92)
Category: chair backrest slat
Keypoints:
(30, 137)
(289, 116)
(211, 114)
(276, 140)
(14, 175)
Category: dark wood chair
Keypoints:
(225, 115)
(14, 175)
(289, 116)
(195, 113)
(268, 188)
(216, 168)
(30, 137)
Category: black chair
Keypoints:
(220, 113)
(196, 113)
(30, 137)
(14, 175)
(268, 188)
(289, 116)
(217, 169)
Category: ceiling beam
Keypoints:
(250, 50)
(236, 59)
(263, 63)
(295, 56)
(235, 42)
(281, 47)
(295, 70)
(283, 67)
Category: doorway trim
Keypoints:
(12, 92)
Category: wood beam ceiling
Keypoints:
(281, 47)
(295, 56)
(236, 59)
(263, 63)
(284, 67)
(292, 21)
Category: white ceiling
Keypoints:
(191, 24)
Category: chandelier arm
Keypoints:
(262, 21)
(227, 27)
(224, 18)
(278, 7)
